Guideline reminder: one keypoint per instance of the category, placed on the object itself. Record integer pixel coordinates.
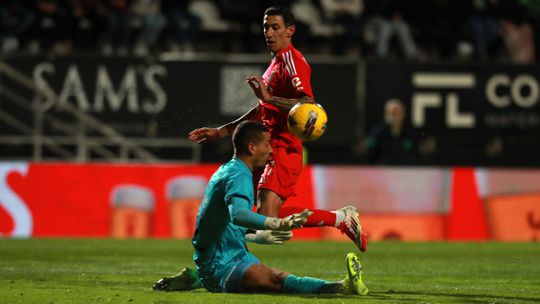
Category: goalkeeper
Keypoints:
(223, 261)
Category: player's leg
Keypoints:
(269, 202)
(260, 278)
(277, 183)
(345, 219)
(249, 275)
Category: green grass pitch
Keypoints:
(113, 271)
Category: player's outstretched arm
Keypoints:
(201, 135)
(287, 104)
(241, 215)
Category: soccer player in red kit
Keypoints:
(285, 83)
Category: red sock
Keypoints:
(319, 218)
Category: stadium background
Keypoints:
(93, 134)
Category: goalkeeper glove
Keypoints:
(292, 221)
(269, 237)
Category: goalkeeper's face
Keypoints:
(261, 152)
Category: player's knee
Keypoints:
(273, 283)
(278, 278)
(261, 278)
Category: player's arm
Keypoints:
(228, 128)
(287, 104)
(201, 135)
(261, 91)
(241, 215)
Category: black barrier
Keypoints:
(486, 115)
(169, 98)
(471, 114)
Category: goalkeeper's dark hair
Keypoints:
(284, 12)
(245, 133)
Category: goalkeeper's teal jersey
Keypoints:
(217, 241)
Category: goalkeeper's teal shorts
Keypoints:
(229, 277)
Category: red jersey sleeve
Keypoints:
(299, 72)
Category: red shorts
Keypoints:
(282, 172)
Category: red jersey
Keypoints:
(288, 76)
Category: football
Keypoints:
(307, 121)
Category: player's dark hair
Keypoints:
(245, 133)
(288, 17)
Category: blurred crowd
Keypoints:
(501, 30)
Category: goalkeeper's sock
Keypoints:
(294, 284)
(319, 217)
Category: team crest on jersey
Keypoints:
(310, 123)
(297, 83)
